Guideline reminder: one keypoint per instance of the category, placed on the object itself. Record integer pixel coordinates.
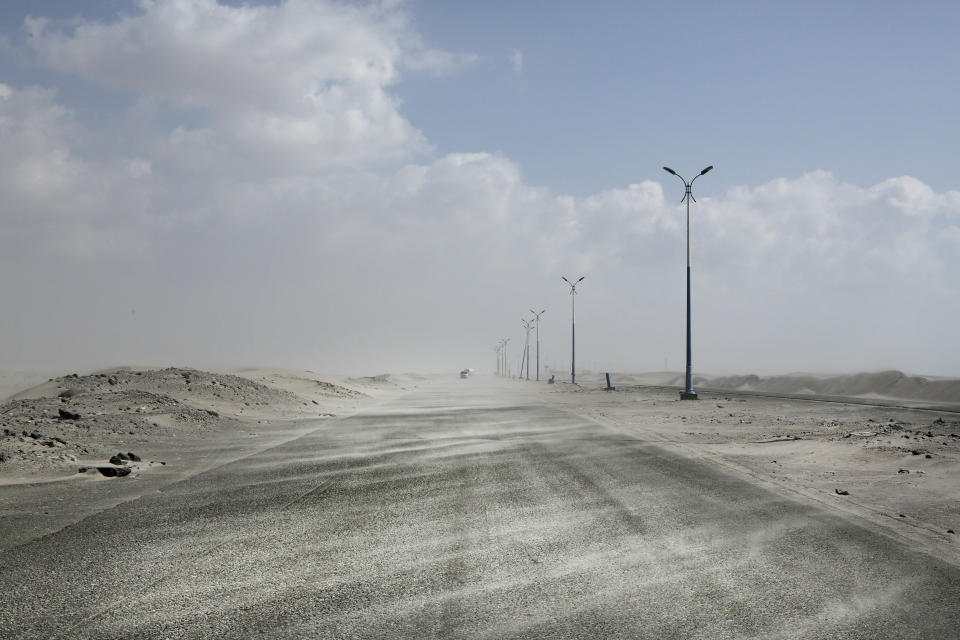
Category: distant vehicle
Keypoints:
(465, 373)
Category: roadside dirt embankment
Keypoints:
(119, 421)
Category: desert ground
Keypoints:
(139, 502)
(890, 441)
(175, 421)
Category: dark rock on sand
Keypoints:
(120, 458)
(842, 492)
(68, 415)
(114, 472)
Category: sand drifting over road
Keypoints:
(896, 466)
(55, 429)
(78, 444)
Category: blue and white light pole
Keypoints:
(688, 393)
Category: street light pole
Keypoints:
(688, 393)
(523, 357)
(528, 325)
(506, 364)
(573, 327)
(536, 317)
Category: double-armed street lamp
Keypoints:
(527, 325)
(688, 393)
(573, 327)
(536, 317)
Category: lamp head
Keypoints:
(670, 171)
(705, 171)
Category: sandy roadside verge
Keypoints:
(148, 428)
(898, 470)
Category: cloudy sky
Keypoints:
(390, 186)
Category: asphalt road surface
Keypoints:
(471, 508)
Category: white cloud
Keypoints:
(301, 86)
(912, 197)
(51, 199)
(299, 203)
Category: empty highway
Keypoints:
(471, 509)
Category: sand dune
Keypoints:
(882, 385)
(54, 429)
(13, 382)
(894, 385)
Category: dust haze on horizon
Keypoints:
(361, 187)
